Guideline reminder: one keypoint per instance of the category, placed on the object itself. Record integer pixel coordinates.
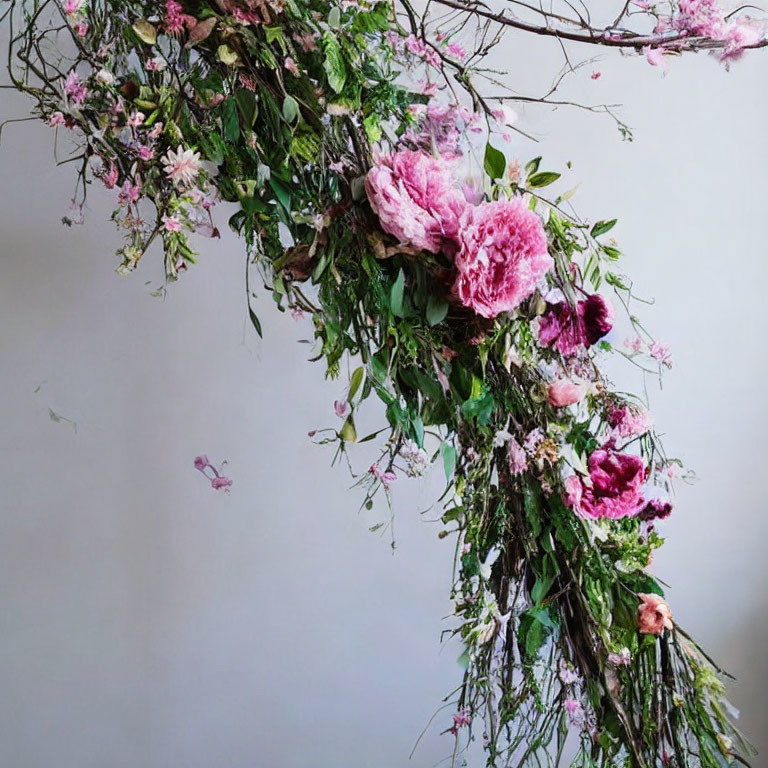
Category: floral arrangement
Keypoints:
(362, 159)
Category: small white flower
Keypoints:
(105, 77)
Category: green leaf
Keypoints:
(246, 102)
(348, 432)
(281, 193)
(355, 383)
(495, 163)
(255, 321)
(437, 309)
(396, 295)
(543, 179)
(532, 166)
(334, 66)
(230, 121)
(448, 453)
(601, 227)
(290, 109)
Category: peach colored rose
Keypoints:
(653, 615)
(562, 392)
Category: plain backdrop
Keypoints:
(149, 622)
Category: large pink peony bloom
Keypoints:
(416, 199)
(616, 487)
(502, 256)
(653, 615)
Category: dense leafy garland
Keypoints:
(372, 193)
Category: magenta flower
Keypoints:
(218, 481)
(416, 199)
(656, 508)
(569, 329)
(741, 34)
(502, 256)
(201, 462)
(615, 489)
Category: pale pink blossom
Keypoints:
(109, 176)
(306, 41)
(629, 421)
(129, 193)
(502, 256)
(416, 199)
(292, 66)
(341, 407)
(171, 223)
(145, 152)
(653, 615)
(181, 166)
(71, 7)
(621, 659)
(456, 51)
(74, 88)
(517, 458)
(660, 352)
(385, 478)
(81, 28)
(634, 345)
(741, 34)
(155, 64)
(56, 119)
(135, 119)
(575, 712)
(655, 57)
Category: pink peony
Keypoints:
(416, 199)
(616, 486)
(502, 256)
(701, 18)
(574, 490)
(563, 392)
(653, 615)
(569, 329)
(742, 33)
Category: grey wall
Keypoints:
(147, 621)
